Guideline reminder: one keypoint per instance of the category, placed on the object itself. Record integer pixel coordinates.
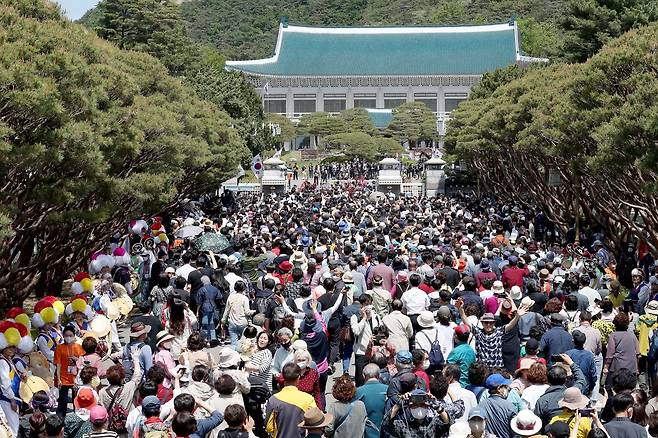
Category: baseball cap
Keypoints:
(476, 413)
(97, 414)
(496, 380)
(532, 344)
(559, 429)
(150, 402)
(404, 356)
(170, 270)
(462, 329)
(513, 259)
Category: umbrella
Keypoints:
(214, 242)
(376, 196)
(188, 231)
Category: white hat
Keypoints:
(498, 286)
(515, 292)
(527, 301)
(595, 310)
(637, 273)
(526, 423)
(228, 358)
(652, 307)
(426, 319)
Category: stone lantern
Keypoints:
(274, 176)
(389, 179)
(435, 177)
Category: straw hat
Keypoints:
(163, 336)
(228, 358)
(526, 423)
(100, 326)
(314, 418)
(138, 329)
(30, 385)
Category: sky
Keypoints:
(75, 9)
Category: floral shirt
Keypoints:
(605, 328)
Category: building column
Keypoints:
(319, 101)
(380, 98)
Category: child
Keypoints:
(239, 424)
(163, 357)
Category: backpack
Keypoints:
(652, 355)
(435, 304)
(206, 304)
(262, 303)
(435, 353)
(259, 393)
(117, 415)
(156, 429)
(127, 360)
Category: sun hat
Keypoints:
(637, 273)
(85, 399)
(314, 418)
(515, 292)
(299, 344)
(426, 319)
(595, 310)
(527, 301)
(652, 307)
(163, 336)
(488, 317)
(496, 380)
(543, 273)
(347, 278)
(138, 329)
(573, 399)
(97, 414)
(498, 288)
(228, 358)
(526, 423)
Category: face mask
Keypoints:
(419, 413)
(286, 345)
(426, 364)
(302, 365)
(166, 345)
(69, 339)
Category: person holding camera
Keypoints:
(363, 326)
(416, 414)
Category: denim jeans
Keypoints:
(208, 326)
(235, 333)
(598, 361)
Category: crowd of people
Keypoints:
(333, 315)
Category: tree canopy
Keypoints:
(413, 122)
(593, 124)
(91, 137)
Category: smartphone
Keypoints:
(556, 358)
(585, 412)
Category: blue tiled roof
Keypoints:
(404, 51)
(380, 118)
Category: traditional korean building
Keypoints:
(318, 69)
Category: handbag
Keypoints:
(342, 419)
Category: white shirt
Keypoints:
(426, 337)
(232, 278)
(469, 399)
(531, 394)
(446, 333)
(184, 271)
(415, 301)
(591, 294)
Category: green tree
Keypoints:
(412, 122)
(589, 24)
(287, 130)
(318, 125)
(91, 137)
(151, 26)
(539, 39)
(357, 119)
(363, 145)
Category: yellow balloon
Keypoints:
(87, 284)
(23, 319)
(13, 336)
(48, 315)
(79, 305)
(59, 306)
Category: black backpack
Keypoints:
(435, 353)
(262, 303)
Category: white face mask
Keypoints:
(419, 413)
(302, 365)
(69, 339)
(426, 364)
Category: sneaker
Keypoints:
(214, 343)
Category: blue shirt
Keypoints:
(585, 360)
(555, 341)
(373, 395)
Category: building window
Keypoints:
(365, 103)
(277, 106)
(452, 100)
(304, 106)
(393, 100)
(428, 99)
(334, 103)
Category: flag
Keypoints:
(266, 88)
(277, 154)
(240, 174)
(257, 166)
